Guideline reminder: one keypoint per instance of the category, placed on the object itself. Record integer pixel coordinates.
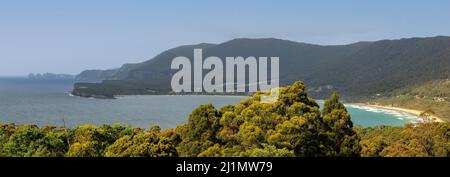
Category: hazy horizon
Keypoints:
(69, 37)
(24, 75)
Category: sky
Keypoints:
(71, 36)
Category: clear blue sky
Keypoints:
(68, 37)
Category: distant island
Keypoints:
(50, 76)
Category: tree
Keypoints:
(155, 129)
(298, 134)
(250, 135)
(332, 103)
(148, 144)
(31, 141)
(268, 151)
(200, 131)
(85, 149)
(404, 150)
(6, 130)
(229, 127)
(344, 140)
(412, 140)
(87, 141)
(213, 151)
(92, 141)
(372, 147)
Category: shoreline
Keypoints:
(96, 96)
(376, 106)
(405, 110)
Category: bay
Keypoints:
(24, 101)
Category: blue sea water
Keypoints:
(24, 101)
(371, 117)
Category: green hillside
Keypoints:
(356, 70)
(434, 95)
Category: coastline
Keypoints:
(406, 110)
(115, 96)
(376, 106)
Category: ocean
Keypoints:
(24, 101)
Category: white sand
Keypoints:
(410, 111)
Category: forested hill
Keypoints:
(355, 70)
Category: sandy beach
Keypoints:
(410, 111)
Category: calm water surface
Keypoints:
(24, 101)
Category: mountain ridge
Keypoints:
(356, 69)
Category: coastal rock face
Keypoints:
(356, 70)
(94, 76)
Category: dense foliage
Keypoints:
(293, 126)
(414, 140)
